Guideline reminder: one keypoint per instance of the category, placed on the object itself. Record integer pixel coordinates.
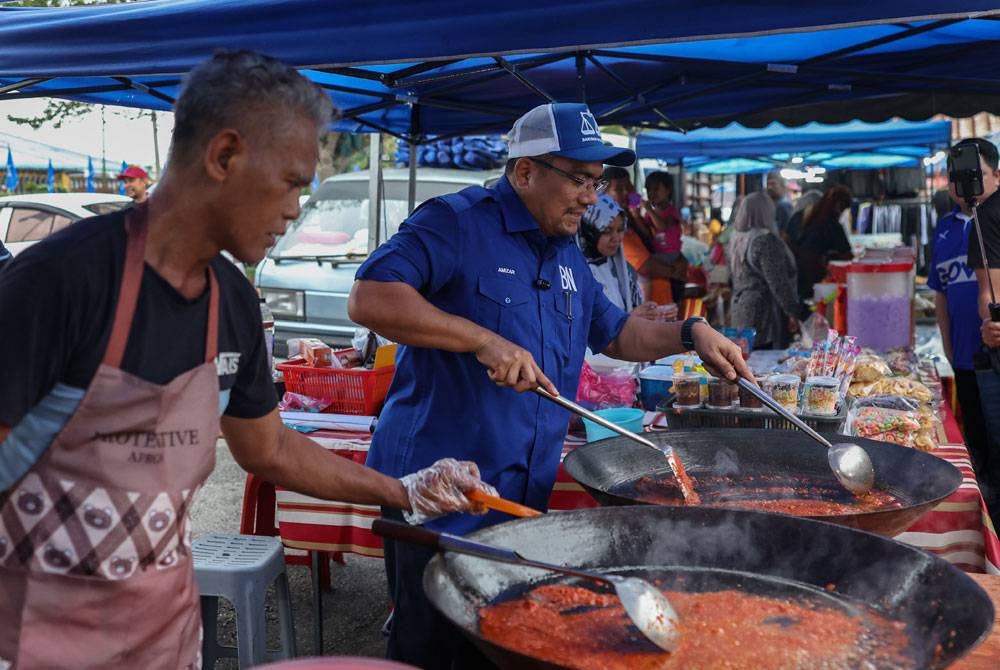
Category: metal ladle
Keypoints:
(644, 604)
(849, 462)
(686, 486)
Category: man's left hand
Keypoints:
(720, 355)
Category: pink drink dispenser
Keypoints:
(880, 303)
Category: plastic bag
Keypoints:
(440, 489)
(613, 388)
(884, 424)
(297, 402)
(814, 329)
(870, 368)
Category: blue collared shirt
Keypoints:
(479, 254)
(950, 274)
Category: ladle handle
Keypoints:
(778, 408)
(403, 532)
(596, 418)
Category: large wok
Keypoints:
(743, 455)
(770, 553)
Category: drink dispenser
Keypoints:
(880, 303)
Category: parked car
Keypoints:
(25, 219)
(307, 276)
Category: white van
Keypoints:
(307, 277)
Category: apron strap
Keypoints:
(128, 293)
(212, 331)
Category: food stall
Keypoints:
(891, 397)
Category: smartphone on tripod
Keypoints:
(966, 174)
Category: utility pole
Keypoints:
(104, 145)
(156, 144)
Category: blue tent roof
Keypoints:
(848, 145)
(449, 68)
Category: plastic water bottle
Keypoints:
(268, 321)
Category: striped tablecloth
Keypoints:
(958, 529)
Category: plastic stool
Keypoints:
(240, 568)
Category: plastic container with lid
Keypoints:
(820, 395)
(687, 387)
(719, 394)
(654, 385)
(880, 303)
(784, 389)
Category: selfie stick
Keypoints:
(994, 307)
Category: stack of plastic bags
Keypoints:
(472, 152)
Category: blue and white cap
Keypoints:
(566, 129)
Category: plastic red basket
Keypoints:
(353, 391)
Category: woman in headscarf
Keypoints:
(763, 276)
(600, 238)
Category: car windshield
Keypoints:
(335, 221)
(105, 207)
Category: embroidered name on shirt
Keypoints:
(227, 363)
(506, 271)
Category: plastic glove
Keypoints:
(440, 489)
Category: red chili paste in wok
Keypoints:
(576, 627)
(787, 495)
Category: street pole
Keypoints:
(156, 144)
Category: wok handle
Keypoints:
(596, 418)
(784, 413)
(395, 530)
(404, 532)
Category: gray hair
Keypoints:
(807, 200)
(250, 92)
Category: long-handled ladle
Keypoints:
(687, 488)
(644, 604)
(849, 462)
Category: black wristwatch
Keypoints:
(687, 338)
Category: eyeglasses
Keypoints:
(596, 184)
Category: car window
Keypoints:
(28, 225)
(60, 221)
(335, 220)
(105, 207)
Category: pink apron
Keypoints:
(95, 567)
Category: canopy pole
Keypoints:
(374, 190)
(415, 141)
(581, 80)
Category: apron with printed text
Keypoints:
(95, 564)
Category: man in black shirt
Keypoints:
(126, 336)
(987, 362)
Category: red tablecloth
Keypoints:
(959, 529)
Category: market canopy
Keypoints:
(848, 145)
(448, 68)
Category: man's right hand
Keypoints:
(510, 365)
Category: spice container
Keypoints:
(687, 387)
(820, 395)
(719, 394)
(784, 389)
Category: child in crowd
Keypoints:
(664, 222)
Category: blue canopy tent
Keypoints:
(855, 144)
(447, 68)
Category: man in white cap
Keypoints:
(489, 297)
(137, 183)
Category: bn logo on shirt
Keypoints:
(566, 277)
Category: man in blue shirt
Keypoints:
(488, 294)
(956, 305)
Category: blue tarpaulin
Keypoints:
(848, 145)
(450, 67)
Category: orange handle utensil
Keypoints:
(502, 504)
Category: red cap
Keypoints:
(134, 171)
